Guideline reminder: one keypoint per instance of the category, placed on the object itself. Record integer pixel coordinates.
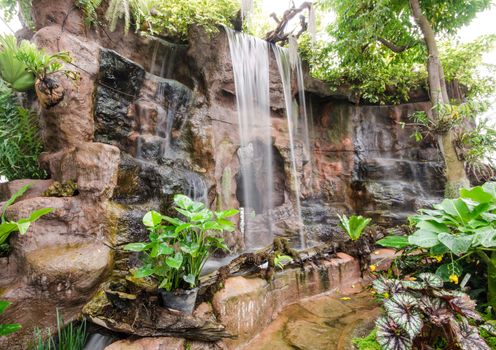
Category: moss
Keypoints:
(490, 340)
(368, 342)
(57, 189)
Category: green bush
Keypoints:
(20, 143)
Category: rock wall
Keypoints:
(149, 119)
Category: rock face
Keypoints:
(150, 119)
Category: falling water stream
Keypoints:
(250, 60)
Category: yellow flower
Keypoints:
(453, 278)
(439, 258)
(386, 295)
(372, 268)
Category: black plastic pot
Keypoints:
(180, 300)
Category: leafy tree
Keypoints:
(398, 36)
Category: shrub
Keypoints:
(20, 144)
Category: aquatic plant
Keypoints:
(21, 143)
(461, 227)
(178, 249)
(71, 337)
(354, 225)
(6, 329)
(420, 312)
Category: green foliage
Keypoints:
(12, 70)
(368, 342)
(459, 227)
(477, 147)
(354, 225)
(9, 9)
(280, 261)
(71, 337)
(178, 249)
(21, 226)
(89, 8)
(170, 18)
(420, 313)
(20, 144)
(41, 64)
(377, 49)
(6, 329)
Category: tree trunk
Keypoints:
(455, 168)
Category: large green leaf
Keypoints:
(226, 213)
(144, 271)
(6, 229)
(433, 226)
(457, 244)
(485, 237)
(6, 329)
(397, 242)
(424, 239)
(478, 194)
(159, 249)
(457, 208)
(13, 70)
(4, 305)
(152, 219)
(183, 202)
(35, 215)
(190, 279)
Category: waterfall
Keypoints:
(250, 60)
(98, 341)
(285, 61)
(164, 58)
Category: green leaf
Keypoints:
(433, 226)
(6, 229)
(354, 225)
(175, 262)
(159, 249)
(485, 237)
(14, 197)
(397, 242)
(4, 305)
(439, 250)
(424, 239)
(190, 279)
(226, 213)
(136, 247)
(6, 329)
(182, 227)
(152, 219)
(446, 270)
(35, 215)
(183, 202)
(144, 271)
(457, 208)
(458, 245)
(478, 194)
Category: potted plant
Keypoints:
(178, 249)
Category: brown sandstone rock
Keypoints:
(148, 344)
(37, 187)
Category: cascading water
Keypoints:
(164, 58)
(250, 60)
(283, 59)
(98, 341)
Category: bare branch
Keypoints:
(278, 34)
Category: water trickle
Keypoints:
(250, 60)
(197, 188)
(164, 58)
(98, 342)
(283, 59)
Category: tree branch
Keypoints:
(278, 34)
(392, 46)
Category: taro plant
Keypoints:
(354, 225)
(456, 229)
(420, 314)
(6, 329)
(22, 225)
(179, 247)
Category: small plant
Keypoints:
(420, 313)
(354, 226)
(70, 337)
(280, 261)
(21, 226)
(18, 160)
(13, 70)
(178, 249)
(6, 329)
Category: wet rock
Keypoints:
(148, 344)
(118, 85)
